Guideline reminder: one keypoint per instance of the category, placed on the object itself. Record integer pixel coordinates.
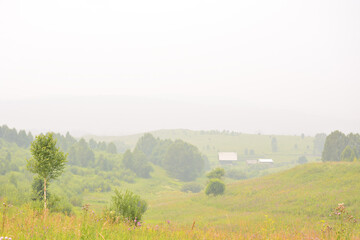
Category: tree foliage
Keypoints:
(38, 189)
(111, 148)
(348, 155)
(47, 161)
(137, 162)
(127, 206)
(216, 173)
(20, 138)
(146, 144)
(183, 161)
(337, 142)
(81, 155)
(159, 152)
(215, 187)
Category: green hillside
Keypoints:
(292, 204)
(211, 142)
(306, 193)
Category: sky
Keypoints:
(110, 67)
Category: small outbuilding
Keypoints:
(269, 161)
(252, 161)
(227, 157)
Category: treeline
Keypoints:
(181, 160)
(21, 138)
(341, 147)
(217, 132)
(80, 152)
(7, 165)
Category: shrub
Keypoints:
(215, 187)
(126, 205)
(192, 187)
(216, 173)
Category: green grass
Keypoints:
(293, 204)
(307, 191)
(304, 193)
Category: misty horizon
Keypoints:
(111, 68)
(125, 115)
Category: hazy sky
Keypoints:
(112, 67)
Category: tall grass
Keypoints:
(25, 223)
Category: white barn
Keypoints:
(266, 161)
(227, 157)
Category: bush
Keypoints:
(192, 187)
(215, 187)
(127, 206)
(216, 173)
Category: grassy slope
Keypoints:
(295, 201)
(303, 194)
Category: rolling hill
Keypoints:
(289, 148)
(307, 192)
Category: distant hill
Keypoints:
(248, 146)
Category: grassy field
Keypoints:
(307, 191)
(295, 204)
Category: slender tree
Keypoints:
(47, 161)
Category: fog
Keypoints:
(112, 67)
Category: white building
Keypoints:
(266, 161)
(227, 157)
(252, 161)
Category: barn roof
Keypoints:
(266, 161)
(227, 156)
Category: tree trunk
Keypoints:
(45, 194)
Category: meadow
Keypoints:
(285, 200)
(299, 203)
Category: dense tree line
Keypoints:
(341, 147)
(137, 162)
(102, 146)
(6, 165)
(180, 159)
(21, 138)
(80, 152)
